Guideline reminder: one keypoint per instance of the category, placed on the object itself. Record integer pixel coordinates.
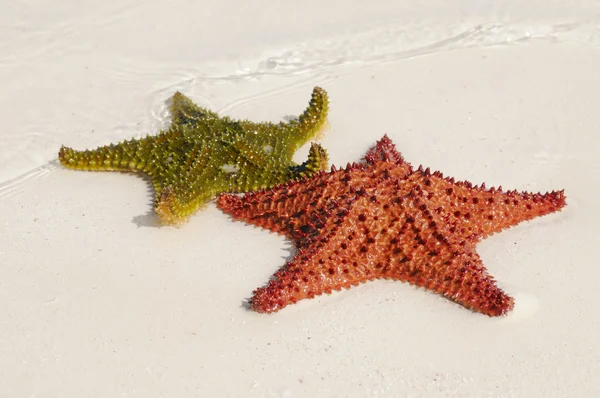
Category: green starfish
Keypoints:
(203, 154)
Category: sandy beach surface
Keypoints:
(97, 300)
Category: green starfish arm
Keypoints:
(129, 155)
(185, 112)
(314, 118)
(317, 160)
(203, 154)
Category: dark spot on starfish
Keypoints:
(305, 229)
(419, 240)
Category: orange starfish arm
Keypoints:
(474, 211)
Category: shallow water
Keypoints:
(85, 74)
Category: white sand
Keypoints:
(96, 301)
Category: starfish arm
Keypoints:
(185, 113)
(466, 281)
(173, 208)
(385, 151)
(477, 211)
(330, 264)
(188, 183)
(130, 155)
(317, 161)
(264, 171)
(312, 120)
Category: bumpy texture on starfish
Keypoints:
(382, 219)
(202, 154)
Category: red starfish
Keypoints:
(382, 219)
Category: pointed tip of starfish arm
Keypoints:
(169, 210)
(314, 118)
(558, 198)
(318, 160)
(492, 302)
(185, 112)
(179, 101)
(229, 202)
(65, 155)
(265, 301)
(384, 151)
(81, 160)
